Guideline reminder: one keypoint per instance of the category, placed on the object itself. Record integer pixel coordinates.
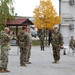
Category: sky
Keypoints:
(26, 7)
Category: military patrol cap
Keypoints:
(6, 28)
(55, 28)
(24, 28)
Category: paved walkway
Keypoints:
(41, 63)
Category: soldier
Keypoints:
(23, 43)
(72, 44)
(57, 43)
(5, 44)
(29, 48)
(42, 36)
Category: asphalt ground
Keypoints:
(41, 63)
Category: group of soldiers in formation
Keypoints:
(24, 42)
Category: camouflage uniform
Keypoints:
(29, 49)
(57, 41)
(72, 44)
(42, 35)
(4, 40)
(23, 42)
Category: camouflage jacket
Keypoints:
(23, 39)
(4, 39)
(30, 37)
(57, 39)
(42, 36)
(72, 42)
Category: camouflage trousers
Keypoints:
(23, 53)
(28, 53)
(42, 44)
(4, 58)
(73, 48)
(56, 53)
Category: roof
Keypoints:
(23, 21)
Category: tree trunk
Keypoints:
(46, 37)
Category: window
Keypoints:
(71, 26)
(71, 2)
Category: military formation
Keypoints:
(24, 42)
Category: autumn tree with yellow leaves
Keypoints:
(45, 15)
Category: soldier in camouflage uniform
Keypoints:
(4, 40)
(23, 42)
(42, 36)
(57, 43)
(72, 44)
(29, 48)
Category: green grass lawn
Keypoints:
(35, 42)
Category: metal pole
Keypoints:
(59, 12)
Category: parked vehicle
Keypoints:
(33, 32)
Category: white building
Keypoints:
(67, 13)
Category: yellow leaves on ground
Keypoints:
(45, 15)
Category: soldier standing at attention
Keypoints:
(5, 44)
(57, 43)
(23, 43)
(42, 36)
(72, 44)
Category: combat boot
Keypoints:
(54, 62)
(2, 71)
(28, 62)
(57, 62)
(23, 65)
(7, 70)
(43, 49)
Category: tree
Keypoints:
(6, 11)
(45, 15)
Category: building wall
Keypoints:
(67, 27)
